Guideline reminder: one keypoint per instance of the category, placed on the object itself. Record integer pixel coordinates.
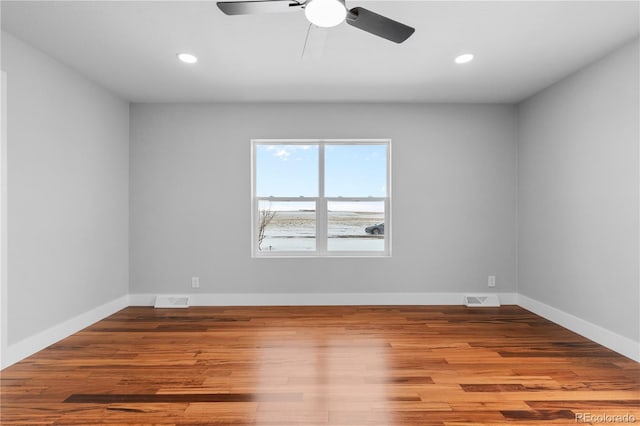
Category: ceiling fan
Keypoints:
(325, 13)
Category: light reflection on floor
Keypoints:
(336, 376)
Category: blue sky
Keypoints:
(292, 170)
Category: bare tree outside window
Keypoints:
(266, 215)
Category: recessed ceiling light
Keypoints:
(187, 58)
(463, 59)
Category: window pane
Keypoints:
(286, 226)
(355, 226)
(286, 170)
(356, 170)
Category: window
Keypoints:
(321, 198)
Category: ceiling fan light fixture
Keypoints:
(326, 13)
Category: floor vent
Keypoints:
(482, 301)
(172, 302)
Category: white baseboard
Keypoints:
(24, 348)
(33, 344)
(621, 344)
(320, 299)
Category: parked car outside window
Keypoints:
(375, 229)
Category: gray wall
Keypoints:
(454, 198)
(578, 194)
(67, 195)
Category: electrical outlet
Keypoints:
(491, 282)
(195, 282)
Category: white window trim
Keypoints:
(320, 200)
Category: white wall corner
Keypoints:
(26, 347)
(3, 218)
(621, 344)
(321, 299)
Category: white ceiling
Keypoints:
(129, 47)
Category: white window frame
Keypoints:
(321, 201)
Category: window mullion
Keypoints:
(321, 206)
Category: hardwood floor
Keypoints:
(436, 365)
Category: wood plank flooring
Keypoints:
(367, 365)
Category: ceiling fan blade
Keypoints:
(379, 25)
(261, 6)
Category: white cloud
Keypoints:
(282, 154)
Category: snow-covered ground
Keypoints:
(296, 230)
